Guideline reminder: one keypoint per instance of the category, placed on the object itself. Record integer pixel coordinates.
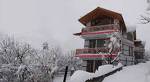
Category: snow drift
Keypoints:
(82, 76)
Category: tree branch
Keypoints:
(145, 19)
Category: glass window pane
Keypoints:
(100, 43)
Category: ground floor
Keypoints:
(92, 62)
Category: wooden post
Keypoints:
(93, 65)
(65, 76)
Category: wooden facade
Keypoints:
(100, 24)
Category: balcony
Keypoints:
(100, 28)
(94, 50)
(139, 49)
(91, 50)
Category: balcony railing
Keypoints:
(139, 49)
(91, 50)
(100, 28)
(94, 50)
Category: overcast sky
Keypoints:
(37, 21)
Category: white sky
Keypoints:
(37, 21)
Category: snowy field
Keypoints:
(136, 73)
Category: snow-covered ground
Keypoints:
(60, 79)
(135, 73)
(82, 76)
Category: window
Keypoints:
(92, 43)
(102, 21)
(138, 55)
(96, 43)
(100, 43)
(86, 44)
(126, 49)
(130, 36)
(131, 51)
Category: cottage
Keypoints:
(100, 24)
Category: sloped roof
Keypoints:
(100, 12)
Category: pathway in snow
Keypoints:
(135, 73)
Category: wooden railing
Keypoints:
(95, 50)
(91, 50)
(100, 28)
(139, 49)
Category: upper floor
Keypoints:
(100, 23)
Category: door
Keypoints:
(89, 67)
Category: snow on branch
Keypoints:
(113, 45)
(145, 19)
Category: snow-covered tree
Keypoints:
(13, 57)
(113, 45)
(69, 60)
(146, 18)
(19, 62)
(47, 60)
(13, 52)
